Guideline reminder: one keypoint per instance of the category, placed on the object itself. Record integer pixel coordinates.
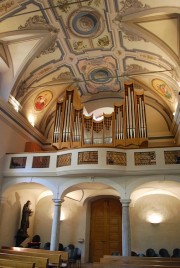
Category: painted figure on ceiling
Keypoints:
(42, 100)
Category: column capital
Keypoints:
(125, 202)
(57, 202)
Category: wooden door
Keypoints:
(106, 228)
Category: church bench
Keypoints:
(110, 265)
(140, 262)
(5, 266)
(64, 254)
(117, 265)
(124, 259)
(139, 258)
(144, 263)
(54, 259)
(136, 262)
(109, 258)
(40, 262)
(16, 264)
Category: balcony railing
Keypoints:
(91, 161)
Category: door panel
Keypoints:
(106, 228)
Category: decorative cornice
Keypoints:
(64, 5)
(131, 36)
(132, 5)
(49, 50)
(3, 54)
(135, 68)
(21, 90)
(64, 76)
(129, 7)
(17, 120)
(128, 34)
(38, 23)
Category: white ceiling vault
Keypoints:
(47, 46)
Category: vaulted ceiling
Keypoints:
(47, 46)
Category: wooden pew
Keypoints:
(135, 258)
(116, 265)
(54, 259)
(16, 264)
(139, 258)
(106, 260)
(142, 263)
(155, 260)
(40, 262)
(109, 261)
(5, 266)
(64, 254)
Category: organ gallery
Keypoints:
(124, 127)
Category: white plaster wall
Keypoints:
(43, 219)
(11, 211)
(72, 227)
(156, 124)
(11, 141)
(76, 224)
(166, 234)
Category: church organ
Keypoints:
(126, 126)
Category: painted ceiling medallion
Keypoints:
(101, 76)
(85, 23)
(162, 88)
(42, 100)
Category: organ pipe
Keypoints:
(126, 126)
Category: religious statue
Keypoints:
(22, 232)
(26, 212)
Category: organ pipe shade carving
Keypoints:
(126, 126)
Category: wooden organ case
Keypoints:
(126, 126)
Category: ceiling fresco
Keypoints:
(48, 46)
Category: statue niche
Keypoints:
(22, 232)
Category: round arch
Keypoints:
(159, 181)
(74, 184)
(28, 182)
(170, 188)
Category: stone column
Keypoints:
(56, 224)
(126, 235)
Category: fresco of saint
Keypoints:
(42, 100)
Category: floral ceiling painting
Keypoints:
(161, 87)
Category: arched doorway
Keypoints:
(105, 228)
